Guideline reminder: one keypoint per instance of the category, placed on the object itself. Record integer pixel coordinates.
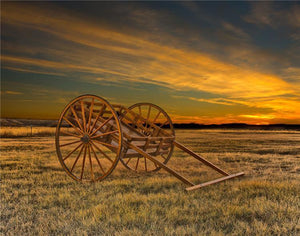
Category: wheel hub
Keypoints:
(85, 138)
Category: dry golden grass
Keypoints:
(17, 132)
(37, 197)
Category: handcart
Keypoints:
(92, 135)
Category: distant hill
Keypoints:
(53, 123)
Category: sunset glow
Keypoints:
(198, 65)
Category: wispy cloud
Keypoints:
(31, 71)
(79, 45)
(236, 31)
(180, 69)
(259, 116)
(267, 13)
(280, 107)
(12, 92)
(220, 101)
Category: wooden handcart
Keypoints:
(92, 135)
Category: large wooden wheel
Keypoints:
(88, 138)
(150, 113)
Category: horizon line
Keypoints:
(175, 123)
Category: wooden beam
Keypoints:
(214, 181)
(198, 157)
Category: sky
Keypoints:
(202, 62)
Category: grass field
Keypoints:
(37, 196)
(28, 131)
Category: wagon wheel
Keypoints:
(88, 138)
(153, 114)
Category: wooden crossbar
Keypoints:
(214, 181)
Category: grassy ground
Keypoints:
(37, 197)
(28, 131)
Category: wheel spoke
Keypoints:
(77, 158)
(145, 126)
(66, 144)
(76, 117)
(156, 117)
(145, 163)
(91, 165)
(99, 114)
(83, 161)
(163, 124)
(70, 123)
(90, 116)
(69, 134)
(137, 163)
(72, 152)
(97, 159)
(104, 123)
(100, 135)
(149, 110)
(83, 116)
(104, 154)
(128, 160)
(147, 120)
(140, 110)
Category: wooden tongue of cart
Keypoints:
(92, 135)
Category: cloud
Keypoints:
(32, 71)
(210, 120)
(272, 14)
(80, 45)
(12, 92)
(259, 116)
(220, 101)
(136, 58)
(62, 66)
(280, 107)
(240, 33)
(261, 13)
(292, 74)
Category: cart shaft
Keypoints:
(198, 157)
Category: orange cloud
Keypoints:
(180, 69)
(12, 92)
(130, 57)
(282, 107)
(259, 116)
